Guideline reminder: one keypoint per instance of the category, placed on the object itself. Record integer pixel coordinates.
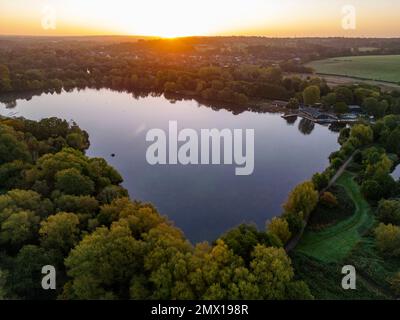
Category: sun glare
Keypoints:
(169, 19)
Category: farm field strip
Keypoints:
(378, 68)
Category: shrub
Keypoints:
(389, 211)
(327, 199)
(388, 239)
(280, 228)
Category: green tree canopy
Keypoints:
(5, 82)
(388, 239)
(71, 181)
(280, 228)
(389, 211)
(11, 146)
(303, 198)
(60, 232)
(311, 95)
(362, 133)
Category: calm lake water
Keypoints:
(203, 200)
(396, 173)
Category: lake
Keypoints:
(396, 173)
(203, 200)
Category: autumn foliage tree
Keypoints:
(279, 227)
(302, 199)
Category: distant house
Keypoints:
(349, 117)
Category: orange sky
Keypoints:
(375, 18)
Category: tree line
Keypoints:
(166, 67)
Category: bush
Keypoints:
(341, 107)
(336, 163)
(280, 228)
(110, 193)
(303, 199)
(363, 133)
(325, 215)
(320, 180)
(388, 239)
(242, 240)
(395, 284)
(371, 189)
(327, 199)
(389, 211)
(295, 221)
(71, 181)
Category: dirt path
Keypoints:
(340, 171)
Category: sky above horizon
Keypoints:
(275, 18)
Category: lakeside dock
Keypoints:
(321, 117)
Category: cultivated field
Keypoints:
(379, 68)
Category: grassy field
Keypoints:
(379, 68)
(334, 243)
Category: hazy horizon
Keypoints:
(178, 18)
(196, 36)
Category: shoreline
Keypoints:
(262, 106)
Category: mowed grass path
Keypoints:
(335, 242)
(380, 68)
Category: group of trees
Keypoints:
(371, 99)
(379, 152)
(351, 140)
(387, 234)
(299, 206)
(376, 153)
(137, 67)
(234, 85)
(380, 186)
(370, 146)
(58, 207)
(142, 67)
(5, 81)
(147, 68)
(377, 183)
(388, 239)
(379, 164)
